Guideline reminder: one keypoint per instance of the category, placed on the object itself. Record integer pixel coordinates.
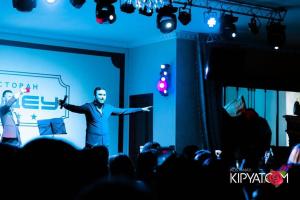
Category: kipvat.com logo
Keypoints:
(246, 176)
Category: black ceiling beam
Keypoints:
(239, 8)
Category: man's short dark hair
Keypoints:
(96, 89)
(6, 91)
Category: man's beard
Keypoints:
(98, 104)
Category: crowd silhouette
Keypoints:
(51, 168)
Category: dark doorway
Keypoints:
(140, 124)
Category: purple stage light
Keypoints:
(162, 85)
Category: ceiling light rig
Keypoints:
(228, 27)
(274, 15)
(185, 13)
(254, 25)
(105, 11)
(218, 12)
(77, 3)
(239, 8)
(210, 18)
(276, 34)
(147, 7)
(127, 6)
(166, 19)
(166, 10)
(24, 5)
(144, 7)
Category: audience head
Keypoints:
(51, 167)
(94, 163)
(202, 155)
(147, 165)
(120, 165)
(189, 152)
(151, 146)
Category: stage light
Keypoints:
(211, 22)
(77, 3)
(105, 12)
(147, 7)
(276, 34)
(24, 5)
(51, 1)
(166, 23)
(228, 28)
(210, 18)
(166, 19)
(184, 15)
(254, 25)
(147, 11)
(162, 85)
(127, 6)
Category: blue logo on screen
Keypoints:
(42, 100)
(37, 102)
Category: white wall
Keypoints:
(142, 73)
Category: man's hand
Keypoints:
(25, 90)
(147, 109)
(62, 102)
(21, 92)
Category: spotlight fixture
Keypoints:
(211, 22)
(254, 25)
(145, 10)
(147, 7)
(228, 28)
(77, 3)
(184, 15)
(127, 6)
(210, 18)
(24, 5)
(51, 1)
(276, 34)
(105, 11)
(166, 19)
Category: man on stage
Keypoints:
(97, 114)
(9, 118)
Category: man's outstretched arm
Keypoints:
(12, 100)
(77, 109)
(125, 111)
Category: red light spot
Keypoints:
(100, 20)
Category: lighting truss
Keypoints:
(245, 8)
